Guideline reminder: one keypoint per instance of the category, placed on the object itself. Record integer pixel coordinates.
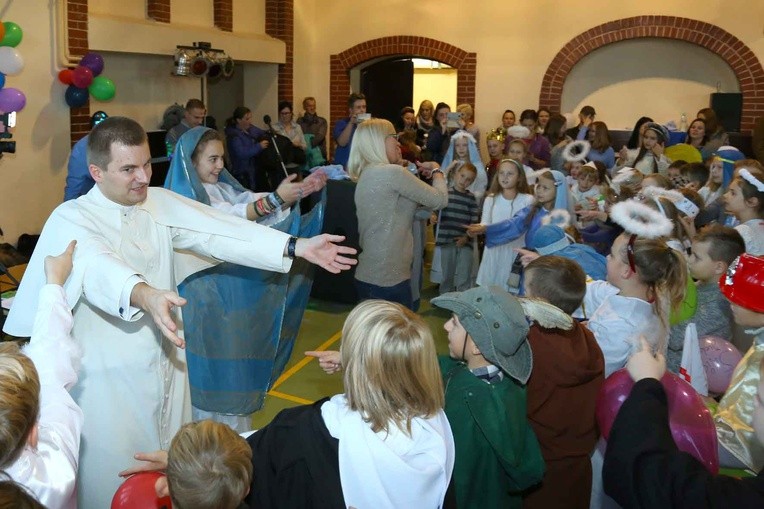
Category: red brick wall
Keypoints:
(158, 10)
(339, 66)
(279, 23)
(79, 118)
(223, 14)
(740, 58)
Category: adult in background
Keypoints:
(587, 112)
(425, 116)
(192, 116)
(538, 145)
(286, 126)
(717, 136)
(78, 179)
(408, 123)
(439, 136)
(245, 141)
(344, 129)
(311, 123)
(133, 387)
(386, 197)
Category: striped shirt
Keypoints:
(461, 211)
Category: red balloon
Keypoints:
(692, 427)
(65, 76)
(138, 492)
(82, 77)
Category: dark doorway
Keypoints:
(388, 87)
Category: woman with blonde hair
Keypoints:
(386, 198)
(425, 115)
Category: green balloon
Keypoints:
(13, 34)
(688, 307)
(102, 88)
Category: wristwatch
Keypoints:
(291, 244)
(437, 170)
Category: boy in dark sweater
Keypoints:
(455, 248)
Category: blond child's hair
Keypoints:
(209, 466)
(391, 369)
(19, 401)
(368, 147)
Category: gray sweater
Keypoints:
(712, 318)
(386, 198)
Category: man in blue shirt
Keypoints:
(78, 179)
(345, 129)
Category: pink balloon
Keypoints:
(690, 421)
(82, 77)
(720, 357)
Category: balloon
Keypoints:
(76, 97)
(12, 99)
(2, 31)
(94, 62)
(12, 35)
(719, 358)
(10, 61)
(102, 88)
(2, 80)
(65, 76)
(690, 421)
(82, 77)
(689, 305)
(138, 492)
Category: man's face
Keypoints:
(359, 107)
(126, 178)
(195, 116)
(310, 107)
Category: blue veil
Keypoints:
(182, 176)
(240, 323)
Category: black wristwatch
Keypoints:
(291, 246)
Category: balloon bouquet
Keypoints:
(86, 78)
(11, 63)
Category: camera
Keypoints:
(7, 121)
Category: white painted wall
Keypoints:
(655, 77)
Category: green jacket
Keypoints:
(497, 454)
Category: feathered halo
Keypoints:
(463, 134)
(557, 217)
(545, 314)
(519, 131)
(639, 219)
(624, 176)
(576, 151)
(748, 177)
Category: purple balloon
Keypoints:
(93, 61)
(12, 99)
(720, 357)
(690, 421)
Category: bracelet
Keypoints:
(273, 201)
(437, 170)
(278, 197)
(291, 245)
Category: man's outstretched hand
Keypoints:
(323, 250)
(159, 304)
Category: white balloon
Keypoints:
(10, 60)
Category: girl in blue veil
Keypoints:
(239, 323)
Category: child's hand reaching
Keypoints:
(153, 461)
(329, 360)
(476, 229)
(58, 268)
(643, 364)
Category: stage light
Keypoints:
(202, 60)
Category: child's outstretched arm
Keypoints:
(508, 230)
(329, 360)
(50, 471)
(151, 462)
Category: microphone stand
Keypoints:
(272, 133)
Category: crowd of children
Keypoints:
(507, 419)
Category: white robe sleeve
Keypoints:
(596, 293)
(49, 470)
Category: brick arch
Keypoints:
(339, 66)
(732, 50)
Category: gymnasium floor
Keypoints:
(303, 382)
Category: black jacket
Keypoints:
(644, 469)
(295, 462)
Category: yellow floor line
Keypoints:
(304, 362)
(289, 397)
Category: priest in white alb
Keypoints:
(133, 387)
